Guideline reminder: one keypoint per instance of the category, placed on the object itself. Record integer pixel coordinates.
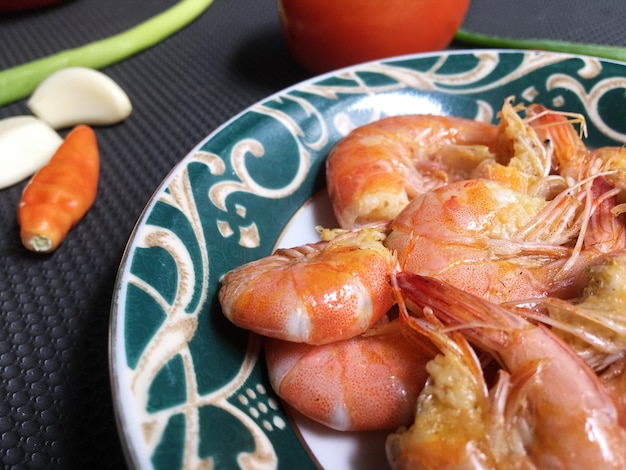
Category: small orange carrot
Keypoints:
(61, 192)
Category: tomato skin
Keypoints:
(323, 35)
(19, 5)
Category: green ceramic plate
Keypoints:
(190, 389)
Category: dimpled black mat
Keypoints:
(57, 410)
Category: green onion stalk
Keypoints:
(20, 81)
(486, 40)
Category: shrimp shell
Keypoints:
(316, 293)
(374, 171)
(471, 234)
(363, 383)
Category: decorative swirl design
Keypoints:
(591, 99)
(199, 396)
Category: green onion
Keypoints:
(597, 50)
(20, 81)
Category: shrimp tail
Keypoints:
(455, 307)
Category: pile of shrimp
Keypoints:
(472, 300)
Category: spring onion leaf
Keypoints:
(19, 82)
(487, 40)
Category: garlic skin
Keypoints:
(26, 144)
(79, 95)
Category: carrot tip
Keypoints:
(38, 243)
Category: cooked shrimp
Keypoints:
(571, 156)
(522, 160)
(602, 228)
(594, 324)
(489, 240)
(459, 423)
(593, 318)
(565, 416)
(374, 171)
(317, 293)
(367, 382)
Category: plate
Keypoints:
(190, 388)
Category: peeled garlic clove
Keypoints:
(26, 144)
(79, 95)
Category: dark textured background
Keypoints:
(56, 409)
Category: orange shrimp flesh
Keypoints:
(317, 293)
(566, 417)
(364, 383)
(374, 171)
(474, 235)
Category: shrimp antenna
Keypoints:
(591, 204)
(573, 118)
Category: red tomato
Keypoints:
(323, 35)
(18, 5)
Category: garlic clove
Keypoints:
(79, 95)
(26, 144)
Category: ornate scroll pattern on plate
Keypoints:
(199, 394)
(174, 429)
(399, 87)
(178, 326)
